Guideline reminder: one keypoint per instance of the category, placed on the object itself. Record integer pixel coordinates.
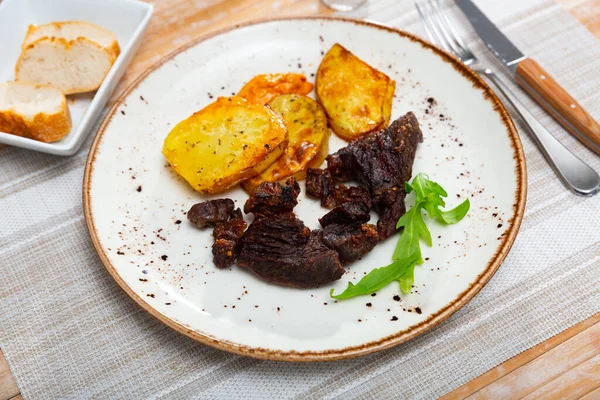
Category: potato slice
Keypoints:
(224, 143)
(306, 123)
(356, 97)
(263, 88)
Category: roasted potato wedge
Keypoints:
(356, 97)
(225, 143)
(263, 88)
(306, 124)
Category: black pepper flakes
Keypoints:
(369, 305)
(397, 298)
(373, 294)
(164, 257)
(178, 222)
(394, 318)
(139, 189)
(499, 226)
(418, 310)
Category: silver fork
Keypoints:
(575, 174)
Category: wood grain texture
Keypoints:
(538, 366)
(8, 386)
(178, 22)
(558, 102)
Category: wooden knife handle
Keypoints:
(548, 93)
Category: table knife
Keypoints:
(538, 83)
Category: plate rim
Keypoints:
(351, 351)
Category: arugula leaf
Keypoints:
(431, 193)
(408, 279)
(456, 214)
(377, 278)
(414, 228)
(407, 254)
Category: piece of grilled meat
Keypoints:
(227, 237)
(278, 246)
(282, 250)
(208, 213)
(350, 241)
(273, 198)
(319, 184)
(229, 227)
(382, 162)
(347, 213)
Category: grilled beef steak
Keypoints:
(319, 184)
(350, 241)
(278, 247)
(208, 213)
(347, 213)
(272, 198)
(227, 237)
(382, 162)
(346, 194)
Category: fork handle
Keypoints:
(575, 174)
(540, 85)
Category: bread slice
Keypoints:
(71, 30)
(73, 66)
(34, 111)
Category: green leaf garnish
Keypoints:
(377, 278)
(429, 197)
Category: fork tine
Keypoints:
(454, 36)
(442, 25)
(425, 23)
(431, 27)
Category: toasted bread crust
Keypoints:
(114, 48)
(66, 44)
(43, 127)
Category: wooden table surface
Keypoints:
(566, 366)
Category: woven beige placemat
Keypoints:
(68, 331)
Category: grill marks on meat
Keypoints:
(278, 247)
(350, 241)
(382, 162)
(208, 213)
(282, 250)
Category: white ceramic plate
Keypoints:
(135, 203)
(129, 27)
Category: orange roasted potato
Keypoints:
(306, 124)
(356, 97)
(263, 88)
(225, 143)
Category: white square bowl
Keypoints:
(127, 19)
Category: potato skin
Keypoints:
(263, 88)
(225, 143)
(356, 97)
(308, 134)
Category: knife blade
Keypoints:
(538, 83)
